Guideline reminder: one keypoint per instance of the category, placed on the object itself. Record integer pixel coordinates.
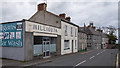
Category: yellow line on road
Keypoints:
(86, 52)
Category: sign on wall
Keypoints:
(12, 34)
(35, 27)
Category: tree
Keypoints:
(112, 38)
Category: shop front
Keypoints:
(45, 39)
(44, 45)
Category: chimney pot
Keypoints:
(42, 6)
(68, 18)
(62, 15)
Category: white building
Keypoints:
(69, 37)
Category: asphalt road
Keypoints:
(102, 57)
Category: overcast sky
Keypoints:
(101, 12)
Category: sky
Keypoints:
(100, 12)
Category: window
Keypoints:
(75, 44)
(71, 31)
(65, 30)
(66, 45)
(75, 33)
(88, 45)
(90, 37)
(87, 36)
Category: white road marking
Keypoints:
(92, 57)
(98, 53)
(80, 63)
(89, 58)
(117, 62)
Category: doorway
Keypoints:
(72, 46)
(46, 49)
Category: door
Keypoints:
(46, 49)
(72, 46)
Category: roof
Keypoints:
(62, 19)
(89, 31)
(104, 35)
(82, 29)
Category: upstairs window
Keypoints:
(65, 30)
(75, 33)
(71, 31)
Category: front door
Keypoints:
(72, 46)
(46, 49)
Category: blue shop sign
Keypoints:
(12, 34)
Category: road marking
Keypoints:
(80, 63)
(117, 61)
(98, 53)
(92, 57)
(86, 52)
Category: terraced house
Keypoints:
(93, 37)
(82, 39)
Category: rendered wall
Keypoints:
(68, 37)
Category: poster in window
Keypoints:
(12, 35)
(19, 26)
(18, 35)
(6, 35)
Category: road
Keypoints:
(102, 57)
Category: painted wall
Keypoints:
(28, 48)
(68, 37)
(47, 18)
(14, 50)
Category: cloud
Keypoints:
(100, 13)
(83, 12)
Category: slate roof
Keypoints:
(89, 31)
(62, 19)
(104, 35)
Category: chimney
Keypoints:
(91, 24)
(93, 27)
(42, 6)
(99, 30)
(62, 15)
(68, 18)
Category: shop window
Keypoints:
(66, 45)
(53, 40)
(37, 40)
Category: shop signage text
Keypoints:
(35, 27)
